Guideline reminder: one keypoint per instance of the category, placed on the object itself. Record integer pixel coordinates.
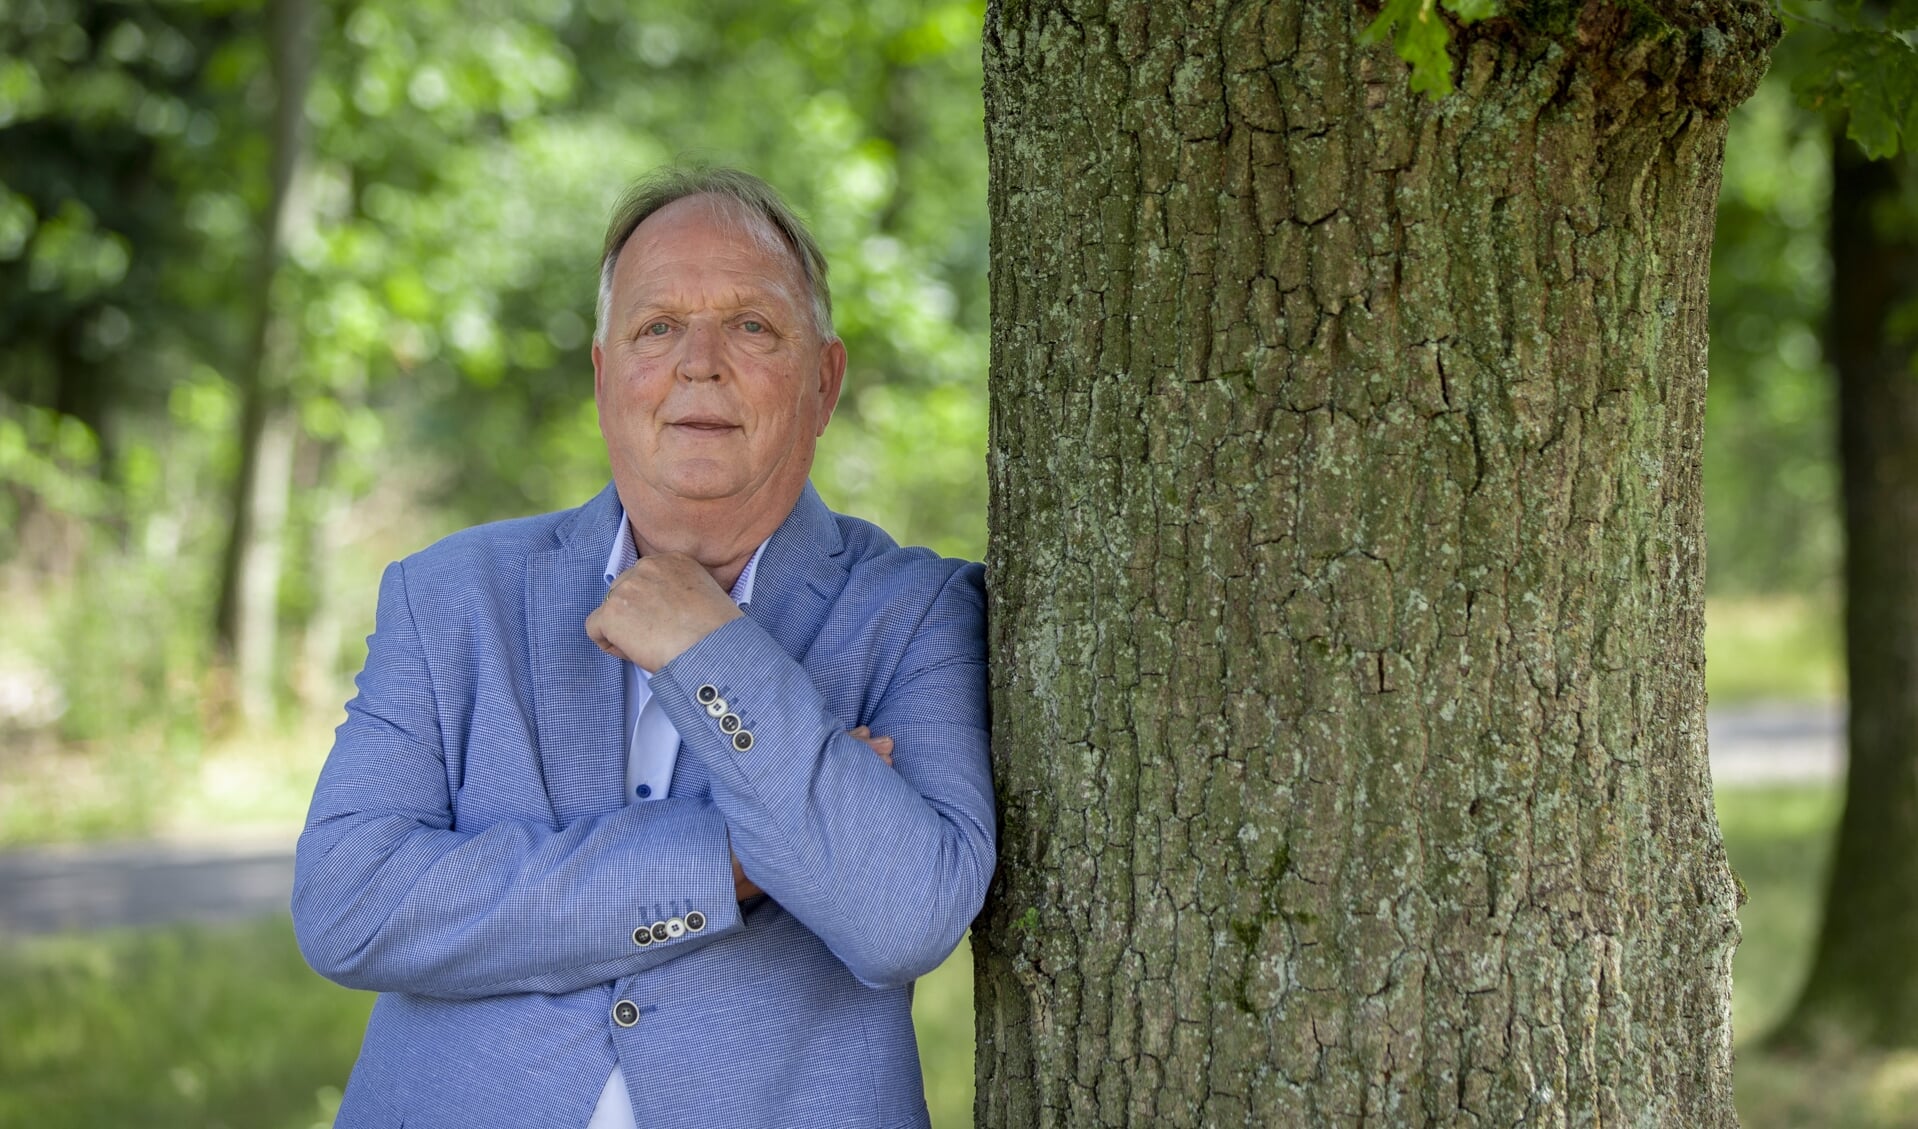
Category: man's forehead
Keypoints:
(740, 229)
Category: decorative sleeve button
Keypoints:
(708, 694)
(716, 708)
(729, 724)
(743, 740)
(695, 921)
(643, 936)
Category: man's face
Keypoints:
(712, 381)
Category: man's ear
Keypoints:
(599, 371)
(832, 375)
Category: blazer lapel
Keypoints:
(800, 575)
(579, 691)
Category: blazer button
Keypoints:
(675, 927)
(716, 708)
(695, 921)
(625, 1013)
(743, 740)
(660, 932)
(729, 723)
(643, 936)
(707, 693)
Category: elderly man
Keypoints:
(605, 825)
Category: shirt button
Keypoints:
(644, 790)
(625, 1013)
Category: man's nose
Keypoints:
(703, 355)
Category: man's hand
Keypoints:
(658, 608)
(743, 886)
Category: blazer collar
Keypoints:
(577, 688)
(800, 575)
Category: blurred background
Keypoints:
(290, 289)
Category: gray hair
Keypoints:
(749, 197)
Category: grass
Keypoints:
(201, 1027)
(1777, 648)
(1779, 840)
(210, 1027)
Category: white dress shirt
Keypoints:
(651, 752)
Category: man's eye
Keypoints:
(751, 326)
(657, 329)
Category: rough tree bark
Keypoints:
(1864, 980)
(1347, 569)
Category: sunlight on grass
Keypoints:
(172, 1027)
(942, 1015)
(1776, 648)
(1779, 840)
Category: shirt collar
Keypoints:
(625, 554)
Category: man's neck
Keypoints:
(720, 538)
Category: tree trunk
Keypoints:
(1864, 980)
(317, 678)
(245, 624)
(1347, 571)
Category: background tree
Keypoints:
(1347, 568)
(1863, 983)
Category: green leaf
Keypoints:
(1420, 37)
(1873, 76)
(1882, 88)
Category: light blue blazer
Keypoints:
(470, 853)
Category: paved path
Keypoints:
(93, 886)
(96, 885)
(1762, 744)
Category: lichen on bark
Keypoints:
(1346, 574)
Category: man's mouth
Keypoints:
(705, 424)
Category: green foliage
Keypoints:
(1422, 38)
(432, 314)
(1770, 468)
(1863, 60)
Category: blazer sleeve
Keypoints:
(886, 865)
(388, 896)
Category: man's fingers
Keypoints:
(880, 745)
(596, 630)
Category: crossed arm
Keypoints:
(885, 866)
